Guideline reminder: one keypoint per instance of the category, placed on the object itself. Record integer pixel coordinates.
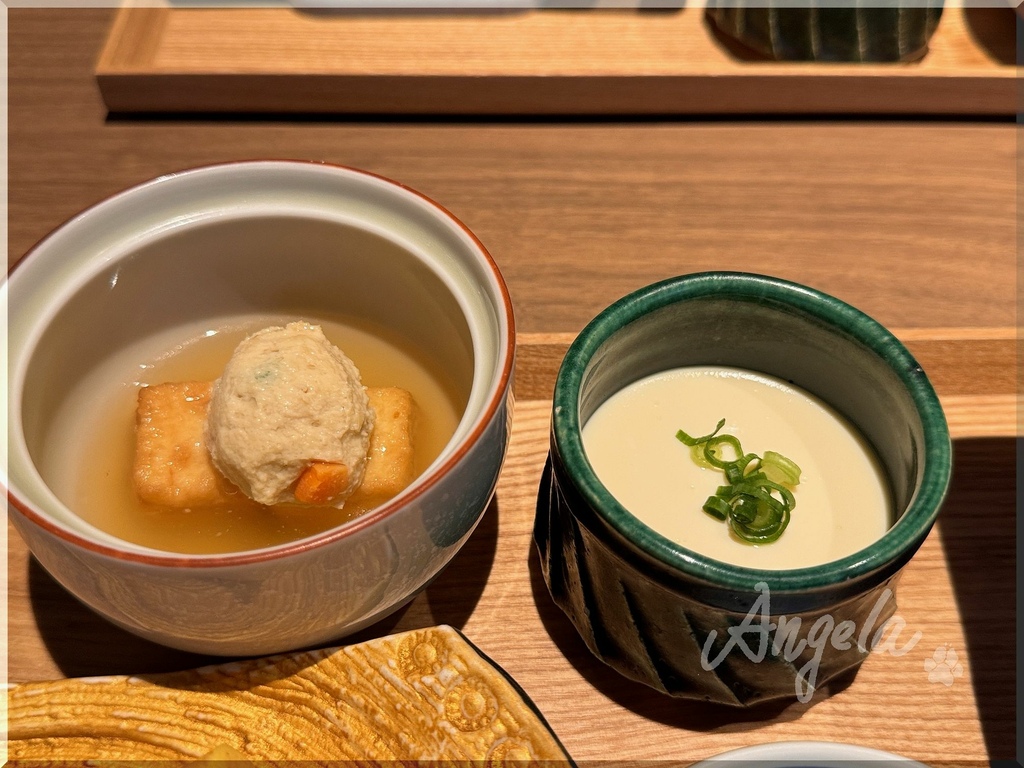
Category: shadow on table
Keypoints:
(978, 526)
(84, 644)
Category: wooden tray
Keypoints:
(957, 593)
(592, 61)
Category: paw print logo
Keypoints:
(943, 667)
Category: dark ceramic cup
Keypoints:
(682, 622)
(851, 32)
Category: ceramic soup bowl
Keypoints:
(294, 239)
(686, 623)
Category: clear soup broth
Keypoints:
(91, 450)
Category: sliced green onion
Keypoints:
(787, 495)
(685, 438)
(760, 538)
(758, 501)
(780, 469)
(738, 469)
(697, 453)
(744, 509)
(717, 508)
(713, 453)
(768, 516)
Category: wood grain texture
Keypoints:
(551, 61)
(913, 222)
(495, 582)
(959, 362)
(889, 705)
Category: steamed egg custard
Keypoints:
(252, 433)
(841, 500)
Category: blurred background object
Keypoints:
(830, 33)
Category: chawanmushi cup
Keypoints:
(682, 622)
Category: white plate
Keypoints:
(807, 754)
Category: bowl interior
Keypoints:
(297, 267)
(778, 328)
(390, 272)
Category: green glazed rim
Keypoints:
(901, 540)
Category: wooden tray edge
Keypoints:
(130, 81)
(959, 362)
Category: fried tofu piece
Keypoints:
(389, 466)
(173, 466)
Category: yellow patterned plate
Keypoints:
(425, 695)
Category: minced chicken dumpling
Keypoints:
(290, 401)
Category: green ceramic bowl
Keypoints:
(661, 613)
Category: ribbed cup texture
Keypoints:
(854, 34)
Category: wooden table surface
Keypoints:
(912, 221)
